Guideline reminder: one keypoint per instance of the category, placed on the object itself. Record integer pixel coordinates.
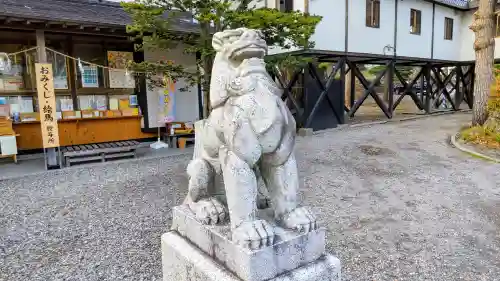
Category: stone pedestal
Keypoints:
(195, 252)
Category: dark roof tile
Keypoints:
(97, 12)
(455, 3)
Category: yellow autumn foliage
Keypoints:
(487, 135)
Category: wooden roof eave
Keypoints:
(78, 27)
(62, 26)
(450, 6)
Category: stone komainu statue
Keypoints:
(249, 129)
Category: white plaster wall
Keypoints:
(447, 49)
(364, 39)
(254, 3)
(414, 45)
(300, 5)
(186, 102)
(270, 3)
(330, 32)
(467, 40)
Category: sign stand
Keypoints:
(45, 158)
(48, 117)
(165, 101)
(52, 161)
(53, 158)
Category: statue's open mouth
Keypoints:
(249, 50)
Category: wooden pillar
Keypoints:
(458, 90)
(347, 86)
(472, 82)
(343, 80)
(428, 91)
(40, 43)
(390, 87)
(73, 77)
(422, 87)
(350, 87)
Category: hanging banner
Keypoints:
(47, 105)
(168, 100)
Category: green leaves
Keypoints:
(287, 30)
(154, 22)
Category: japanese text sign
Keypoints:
(47, 105)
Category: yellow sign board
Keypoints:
(47, 105)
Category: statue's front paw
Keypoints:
(209, 211)
(300, 219)
(254, 234)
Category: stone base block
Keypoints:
(183, 261)
(291, 249)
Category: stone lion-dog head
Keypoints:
(239, 44)
(233, 47)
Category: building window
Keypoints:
(448, 29)
(373, 13)
(284, 5)
(415, 21)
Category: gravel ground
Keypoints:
(399, 204)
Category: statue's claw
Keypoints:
(254, 234)
(209, 211)
(300, 219)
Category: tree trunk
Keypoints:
(484, 46)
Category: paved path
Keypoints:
(399, 204)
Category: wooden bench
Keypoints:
(183, 141)
(181, 135)
(174, 140)
(98, 152)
